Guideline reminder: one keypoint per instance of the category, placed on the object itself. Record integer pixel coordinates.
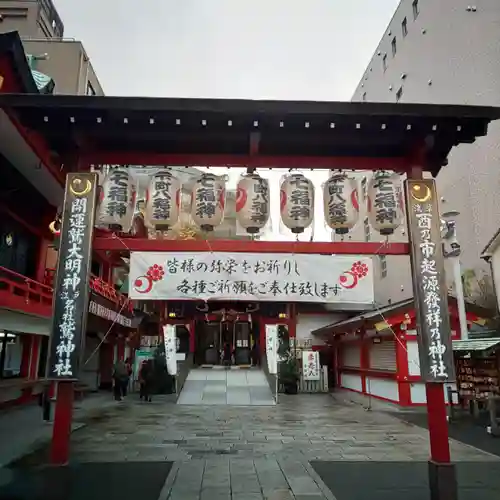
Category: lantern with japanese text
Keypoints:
(341, 202)
(116, 201)
(297, 202)
(162, 201)
(207, 201)
(385, 202)
(252, 203)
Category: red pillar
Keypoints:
(26, 355)
(402, 370)
(61, 431)
(35, 355)
(192, 339)
(41, 260)
(438, 423)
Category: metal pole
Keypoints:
(459, 290)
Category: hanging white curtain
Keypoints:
(169, 338)
(272, 348)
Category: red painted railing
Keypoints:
(30, 291)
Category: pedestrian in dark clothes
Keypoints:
(146, 380)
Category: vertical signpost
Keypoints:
(71, 296)
(433, 324)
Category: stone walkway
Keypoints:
(226, 387)
(253, 453)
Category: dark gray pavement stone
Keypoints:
(408, 480)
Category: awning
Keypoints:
(476, 344)
(11, 321)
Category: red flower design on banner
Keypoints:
(359, 269)
(349, 279)
(156, 272)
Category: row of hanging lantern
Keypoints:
(117, 200)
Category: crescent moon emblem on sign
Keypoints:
(421, 193)
(343, 280)
(143, 284)
(75, 185)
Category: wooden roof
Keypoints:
(226, 127)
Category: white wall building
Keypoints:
(448, 52)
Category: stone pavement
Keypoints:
(24, 430)
(226, 387)
(251, 453)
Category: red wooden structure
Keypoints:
(71, 133)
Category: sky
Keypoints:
(249, 49)
(256, 49)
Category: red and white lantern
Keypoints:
(117, 197)
(385, 202)
(252, 203)
(341, 202)
(297, 202)
(162, 201)
(208, 200)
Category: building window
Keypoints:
(90, 89)
(416, 10)
(383, 265)
(11, 352)
(364, 96)
(394, 47)
(367, 229)
(404, 27)
(399, 94)
(384, 62)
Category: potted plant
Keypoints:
(289, 375)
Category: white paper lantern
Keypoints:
(117, 198)
(162, 201)
(385, 202)
(207, 201)
(297, 202)
(341, 202)
(252, 203)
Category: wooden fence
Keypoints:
(312, 386)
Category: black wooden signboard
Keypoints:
(429, 282)
(71, 292)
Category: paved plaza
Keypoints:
(306, 447)
(226, 387)
(254, 453)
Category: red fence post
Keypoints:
(61, 431)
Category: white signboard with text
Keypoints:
(169, 337)
(272, 348)
(310, 365)
(251, 277)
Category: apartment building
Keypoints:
(446, 52)
(42, 33)
(31, 18)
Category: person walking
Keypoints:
(146, 380)
(126, 381)
(120, 378)
(227, 355)
(254, 354)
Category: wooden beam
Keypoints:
(326, 248)
(398, 164)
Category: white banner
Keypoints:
(252, 277)
(169, 337)
(272, 348)
(310, 365)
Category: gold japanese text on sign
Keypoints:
(429, 282)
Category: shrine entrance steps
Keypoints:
(226, 387)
